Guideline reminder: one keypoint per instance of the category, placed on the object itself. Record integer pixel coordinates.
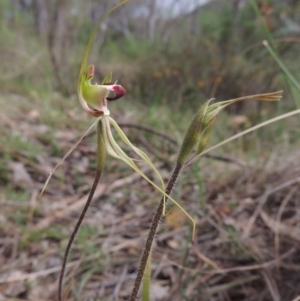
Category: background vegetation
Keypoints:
(244, 196)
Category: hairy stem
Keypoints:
(101, 155)
(152, 233)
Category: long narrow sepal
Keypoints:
(135, 149)
(68, 154)
(114, 150)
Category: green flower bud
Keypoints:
(193, 134)
(201, 126)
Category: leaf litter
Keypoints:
(247, 239)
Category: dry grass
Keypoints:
(247, 243)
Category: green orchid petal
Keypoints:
(140, 153)
(114, 150)
(95, 97)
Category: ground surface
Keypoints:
(247, 213)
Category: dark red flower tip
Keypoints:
(119, 92)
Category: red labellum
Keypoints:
(118, 90)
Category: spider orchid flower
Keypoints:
(94, 99)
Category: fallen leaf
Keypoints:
(158, 291)
(20, 176)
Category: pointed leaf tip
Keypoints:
(90, 71)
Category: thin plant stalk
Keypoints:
(152, 232)
(101, 156)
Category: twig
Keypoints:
(278, 218)
(226, 159)
(101, 189)
(281, 228)
(263, 200)
(223, 287)
(120, 282)
(204, 258)
(271, 284)
(240, 268)
(43, 273)
(150, 130)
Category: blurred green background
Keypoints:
(162, 56)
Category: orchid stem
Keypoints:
(152, 232)
(101, 155)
